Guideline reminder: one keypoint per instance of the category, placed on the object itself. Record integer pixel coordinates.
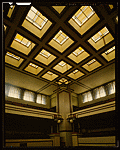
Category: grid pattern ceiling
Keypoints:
(52, 43)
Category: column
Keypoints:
(65, 127)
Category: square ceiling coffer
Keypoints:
(76, 74)
(84, 19)
(13, 59)
(101, 38)
(78, 55)
(45, 57)
(61, 41)
(36, 22)
(62, 67)
(91, 65)
(109, 54)
(50, 76)
(33, 68)
(22, 44)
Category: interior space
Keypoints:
(59, 79)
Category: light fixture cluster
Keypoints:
(63, 81)
(71, 118)
(58, 118)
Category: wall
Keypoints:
(53, 99)
(74, 99)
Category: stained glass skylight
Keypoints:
(45, 53)
(78, 51)
(36, 18)
(22, 40)
(60, 37)
(100, 34)
(83, 14)
(91, 62)
(62, 63)
(13, 56)
(110, 50)
(75, 71)
(33, 65)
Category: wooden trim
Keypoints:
(29, 141)
(28, 111)
(110, 106)
(65, 131)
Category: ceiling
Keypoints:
(48, 45)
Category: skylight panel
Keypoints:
(50, 73)
(36, 18)
(100, 34)
(83, 14)
(62, 63)
(62, 67)
(45, 53)
(13, 56)
(78, 51)
(75, 71)
(22, 40)
(60, 37)
(33, 65)
(110, 50)
(91, 62)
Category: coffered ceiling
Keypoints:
(47, 45)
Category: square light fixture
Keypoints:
(13, 59)
(78, 55)
(76, 74)
(109, 54)
(91, 65)
(22, 44)
(62, 67)
(61, 41)
(84, 19)
(34, 69)
(59, 9)
(36, 23)
(45, 57)
(50, 76)
(101, 38)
